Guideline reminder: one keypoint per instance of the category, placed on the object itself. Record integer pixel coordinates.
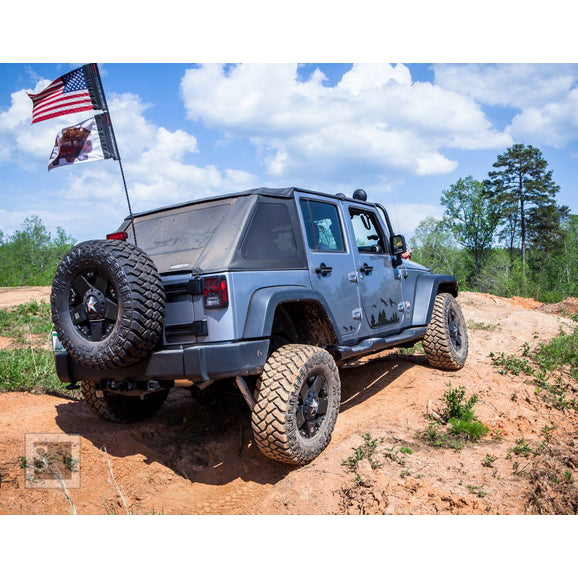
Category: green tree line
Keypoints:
(30, 255)
(505, 235)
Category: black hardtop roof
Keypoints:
(262, 191)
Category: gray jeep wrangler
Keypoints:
(269, 288)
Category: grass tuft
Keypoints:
(456, 423)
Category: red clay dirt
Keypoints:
(194, 460)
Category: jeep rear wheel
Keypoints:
(446, 340)
(108, 304)
(121, 408)
(297, 403)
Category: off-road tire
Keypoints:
(126, 288)
(279, 427)
(120, 408)
(446, 340)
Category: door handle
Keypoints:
(366, 269)
(323, 270)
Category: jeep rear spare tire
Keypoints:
(108, 304)
(297, 403)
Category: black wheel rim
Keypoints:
(312, 406)
(93, 305)
(454, 329)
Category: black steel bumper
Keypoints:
(196, 363)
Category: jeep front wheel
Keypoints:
(297, 403)
(446, 340)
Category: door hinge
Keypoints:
(356, 313)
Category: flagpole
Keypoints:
(115, 145)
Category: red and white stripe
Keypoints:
(51, 102)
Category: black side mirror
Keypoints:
(397, 245)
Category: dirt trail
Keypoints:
(192, 460)
(10, 296)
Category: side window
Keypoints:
(322, 226)
(270, 234)
(368, 235)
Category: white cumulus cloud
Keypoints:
(546, 96)
(376, 118)
(515, 85)
(555, 123)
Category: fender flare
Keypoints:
(264, 302)
(426, 289)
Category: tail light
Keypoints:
(119, 236)
(215, 292)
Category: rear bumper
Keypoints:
(196, 363)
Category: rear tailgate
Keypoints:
(180, 323)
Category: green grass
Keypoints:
(477, 490)
(439, 438)
(457, 423)
(457, 407)
(29, 364)
(561, 351)
(21, 321)
(560, 355)
(522, 448)
(28, 369)
(396, 456)
(489, 461)
(373, 451)
(416, 349)
(365, 451)
(483, 326)
(471, 429)
(510, 364)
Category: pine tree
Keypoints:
(521, 184)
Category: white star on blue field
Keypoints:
(402, 132)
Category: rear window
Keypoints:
(184, 230)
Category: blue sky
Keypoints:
(403, 132)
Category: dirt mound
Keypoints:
(524, 302)
(190, 459)
(566, 308)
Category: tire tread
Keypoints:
(437, 343)
(274, 430)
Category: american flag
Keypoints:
(65, 95)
